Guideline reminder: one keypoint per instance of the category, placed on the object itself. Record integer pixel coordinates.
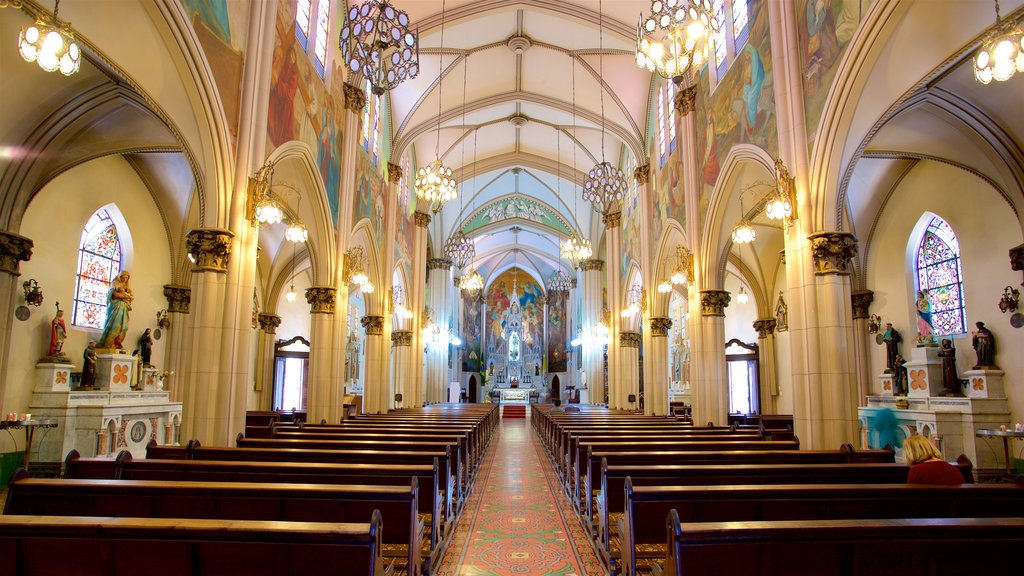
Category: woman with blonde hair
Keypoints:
(927, 465)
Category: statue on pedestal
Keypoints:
(146, 348)
(925, 336)
(89, 366)
(984, 343)
(58, 333)
(892, 340)
(950, 380)
(119, 303)
(899, 376)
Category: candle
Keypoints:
(28, 416)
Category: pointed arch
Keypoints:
(938, 272)
(102, 253)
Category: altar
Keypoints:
(515, 395)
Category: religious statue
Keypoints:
(899, 376)
(781, 315)
(924, 320)
(984, 343)
(89, 366)
(892, 340)
(950, 380)
(146, 348)
(58, 333)
(119, 303)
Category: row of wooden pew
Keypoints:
(349, 498)
(661, 496)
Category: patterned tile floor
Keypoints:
(518, 520)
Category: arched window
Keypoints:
(371, 125)
(304, 12)
(732, 19)
(940, 275)
(99, 261)
(661, 126)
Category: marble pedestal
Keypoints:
(924, 373)
(114, 372)
(984, 384)
(54, 376)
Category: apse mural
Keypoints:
(556, 332)
(521, 207)
(471, 350)
(825, 28)
(742, 108)
(220, 27)
(369, 197)
(305, 107)
(531, 307)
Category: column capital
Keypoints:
(714, 302)
(422, 219)
(686, 100)
(355, 98)
(592, 264)
(1017, 259)
(630, 339)
(861, 301)
(178, 298)
(269, 323)
(14, 249)
(321, 299)
(210, 248)
(642, 174)
(764, 327)
(374, 325)
(832, 252)
(439, 264)
(401, 338)
(660, 327)
(395, 173)
(612, 219)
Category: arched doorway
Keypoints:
(555, 387)
(472, 388)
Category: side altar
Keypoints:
(930, 410)
(109, 417)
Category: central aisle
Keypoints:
(518, 520)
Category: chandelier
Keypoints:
(355, 266)
(743, 233)
(398, 302)
(435, 182)
(460, 249)
(780, 203)
(605, 185)
(575, 249)
(742, 296)
(376, 41)
(684, 263)
(50, 45)
(561, 282)
(1002, 53)
(265, 210)
(673, 40)
(636, 297)
(472, 283)
(296, 232)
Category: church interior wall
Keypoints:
(54, 220)
(295, 320)
(783, 354)
(986, 229)
(739, 318)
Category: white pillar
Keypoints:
(861, 303)
(324, 386)
(265, 360)
(417, 303)
(14, 249)
(375, 385)
(711, 391)
(179, 338)
(613, 242)
(656, 367)
(437, 353)
(401, 366)
(629, 362)
(592, 355)
(769, 388)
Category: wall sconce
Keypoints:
(780, 204)
(684, 266)
(742, 296)
(874, 323)
(33, 295)
(355, 266)
(263, 209)
(1010, 300)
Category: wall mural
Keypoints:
(368, 201)
(531, 303)
(471, 350)
(516, 206)
(742, 108)
(825, 28)
(630, 232)
(220, 27)
(556, 333)
(304, 106)
(668, 200)
(405, 224)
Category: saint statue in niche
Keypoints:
(781, 315)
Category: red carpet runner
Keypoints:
(513, 411)
(517, 520)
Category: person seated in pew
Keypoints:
(558, 407)
(927, 465)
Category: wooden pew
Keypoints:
(645, 505)
(908, 547)
(89, 546)
(475, 442)
(432, 503)
(397, 505)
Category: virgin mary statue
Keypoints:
(119, 303)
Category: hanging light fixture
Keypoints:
(473, 283)
(263, 208)
(50, 45)
(743, 233)
(742, 296)
(673, 41)
(435, 182)
(290, 296)
(355, 266)
(460, 248)
(575, 248)
(684, 261)
(605, 185)
(296, 231)
(561, 282)
(635, 301)
(1002, 53)
(664, 287)
(376, 41)
(780, 203)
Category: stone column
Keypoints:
(769, 385)
(14, 249)
(692, 182)
(375, 388)
(417, 303)
(207, 399)
(656, 367)
(265, 360)
(179, 338)
(711, 392)
(324, 389)
(860, 303)
(616, 378)
(592, 355)
(629, 362)
(401, 352)
(437, 354)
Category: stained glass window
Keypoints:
(99, 261)
(719, 37)
(302, 9)
(661, 124)
(670, 102)
(323, 11)
(940, 275)
(739, 20)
